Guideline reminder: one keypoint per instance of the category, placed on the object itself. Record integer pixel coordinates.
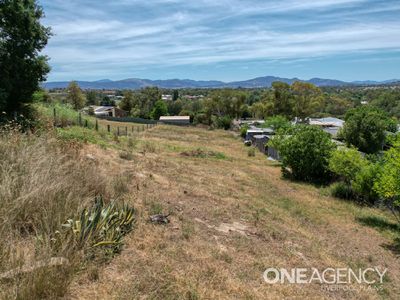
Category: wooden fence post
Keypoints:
(80, 119)
(118, 130)
(108, 128)
(126, 130)
(55, 116)
(97, 125)
(86, 123)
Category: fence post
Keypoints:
(55, 116)
(97, 125)
(108, 128)
(126, 130)
(86, 123)
(143, 127)
(80, 119)
(132, 128)
(118, 130)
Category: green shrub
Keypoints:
(127, 155)
(201, 118)
(365, 128)
(101, 226)
(251, 152)
(224, 122)
(346, 163)
(342, 190)
(363, 183)
(243, 130)
(305, 152)
(277, 123)
(387, 184)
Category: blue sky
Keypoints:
(223, 39)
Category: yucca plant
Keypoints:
(101, 226)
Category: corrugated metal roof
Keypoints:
(172, 118)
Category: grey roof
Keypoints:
(103, 108)
(329, 121)
(260, 136)
(331, 130)
(261, 130)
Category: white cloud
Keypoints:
(175, 32)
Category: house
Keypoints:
(175, 120)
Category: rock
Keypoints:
(159, 219)
(90, 157)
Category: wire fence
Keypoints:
(107, 124)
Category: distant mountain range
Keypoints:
(259, 82)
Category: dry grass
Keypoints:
(43, 182)
(230, 220)
(124, 127)
(232, 216)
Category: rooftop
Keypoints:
(171, 118)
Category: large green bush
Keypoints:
(363, 183)
(357, 173)
(387, 184)
(224, 122)
(346, 163)
(365, 128)
(305, 152)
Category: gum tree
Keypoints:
(22, 67)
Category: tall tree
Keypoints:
(175, 95)
(92, 97)
(144, 100)
(307, 99)
(75, 96)
(160, 109)
(22, 37)
(127, 102)
(282, 99)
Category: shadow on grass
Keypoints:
(382, 224)
(379, 223)
(394, 247)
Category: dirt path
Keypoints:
(232, 216)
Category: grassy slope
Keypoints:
(195, 256)
(67, 116)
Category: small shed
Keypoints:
(175, 120)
